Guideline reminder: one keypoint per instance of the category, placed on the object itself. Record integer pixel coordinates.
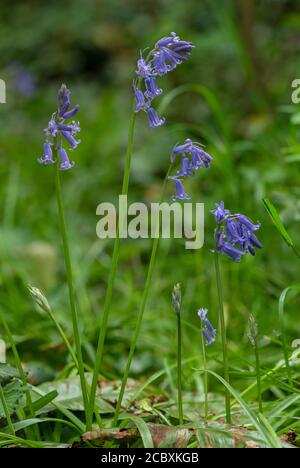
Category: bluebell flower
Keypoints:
(210, 339)
(140, 102)
(75, 127)
(231, 251)
(166, 55)
(71, 113)
(192, 156)
(164, 62)
(199, 158)
(219, 212)
(207, 329)
(202, 313)
(242, 219)
(70, 139)
(152, 89)
(52, 129)
(65, 163)
(170, 52)
(47, 157)
(60, 127)
(186, 169)
(235, 233)
(179, 190)
(144, 69)
(154, 119)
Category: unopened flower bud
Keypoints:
(176, 298)
(40, 299)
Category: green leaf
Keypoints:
(70, 395)
(265, 430)
(7, 372)
(277, 221)
(40, 404)
(144, 430)
(18, 426)
(214, 438)
(169, 437)
(63, 410)
(12, 393)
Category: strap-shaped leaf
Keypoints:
(277, 221)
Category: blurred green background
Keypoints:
(245, 59)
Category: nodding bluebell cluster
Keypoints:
(235, 233)
(61, 128)
(193, 157)
(168, 52)
(207, 329)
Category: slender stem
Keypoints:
(65, 339)
(112, 273)
(223, 334)
(141, 310)
(179, 370)
(71, 293)
(205, 378)
(22, 375)
(258, 378)
(283, 331)
(6, 411)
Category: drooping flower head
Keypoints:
(193, 157)
(207, 329)
(235, 233)
(167, 53)
(60, 129)
(170, 52)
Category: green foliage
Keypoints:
(12, 394)
(234, 96)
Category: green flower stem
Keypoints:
(258, 377)
(35, 430)
(112, 276)
(141, 311)
(179, 369)
(71, 293)
(223, 334)
(205, 378)
(6, 411)
(285, 346)
(65, 339)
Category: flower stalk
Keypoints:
(176, 302)
(69, 274)
(141, 311)
(253, 338)
(208, 338)
(112, 274)
(223, 335)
